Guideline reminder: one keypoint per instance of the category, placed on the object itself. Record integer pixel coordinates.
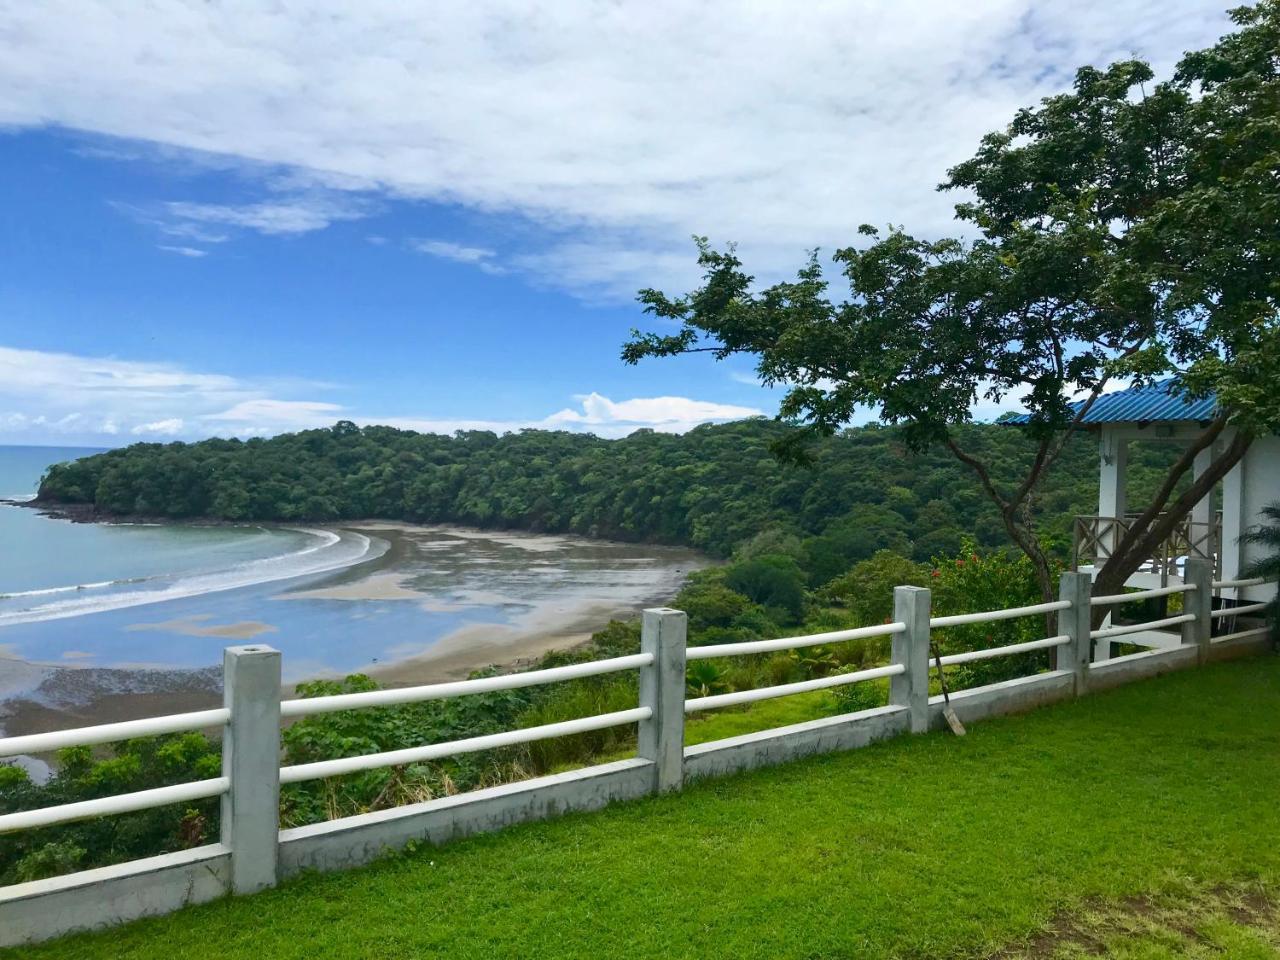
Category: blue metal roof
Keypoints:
(1159, 403)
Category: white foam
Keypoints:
(333, 551)
(73, 588)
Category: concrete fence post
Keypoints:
(1075, 622)
(910, 689)
(662, 684)
(1199, 601)
(251, 759)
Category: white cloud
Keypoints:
(669, 414)
(72, 397)
(294, 216)
(620, 128)
(168, 428)
(598, 415)
(47, 395)
(277, 414)
(218, 222)
(481, 257)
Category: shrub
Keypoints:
(974, 582)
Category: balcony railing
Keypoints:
(1094, 540)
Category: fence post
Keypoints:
(1075, 622)
(911, 649)
(1199, 601)
(661, 737)
(251, 759)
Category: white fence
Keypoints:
(254, 853)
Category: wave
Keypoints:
(330, 552)
(73, 588)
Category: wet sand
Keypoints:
(72, 695)
(196, 627)
(507, 646)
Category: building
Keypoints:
(1161, 414)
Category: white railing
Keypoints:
(1128, 628)
(108, 733)
(252, 774)
(1250, 634)
(787, 689)
(1136, 595)
(113, 732)
(443, 691)
(989, 616)
(1244, 610)
(968, 656)
(435, 751)
(792, 643)
(120, 803)
(1238, 584)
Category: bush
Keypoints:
(974, 582)
(776, 582)
(132, 765)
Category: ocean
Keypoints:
(88, 610)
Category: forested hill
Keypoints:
(711, 488)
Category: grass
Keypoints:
(1033, 836)
(1237, 922)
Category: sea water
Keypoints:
(102, 604)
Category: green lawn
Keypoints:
(1142, 823)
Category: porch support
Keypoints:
(1113, 463)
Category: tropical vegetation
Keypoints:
(1116, 232)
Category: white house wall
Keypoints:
(1258, 485)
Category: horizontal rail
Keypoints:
(1008, 651)
(791, 643)
(786, 689)
(1139, 627)
(1242, 635)
(987, 616)
(1238, 611)
(1140, 594)
(122, 803)
(394, 758)
(441, 691)
(1232, 584)
(110, 732)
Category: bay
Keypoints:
(91, 613)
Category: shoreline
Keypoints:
(563, 623)
(510, 648)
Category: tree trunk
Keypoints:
(1153, 527)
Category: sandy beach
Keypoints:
(530, 593)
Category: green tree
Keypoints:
(775, 581)
(1119, 233)
(866, 591)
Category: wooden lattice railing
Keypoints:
(1094, 539)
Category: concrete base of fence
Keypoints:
(770, 747)
(352, 841)
(1008, 696)
(1138, 666)
(35, 911)
(1235, 649)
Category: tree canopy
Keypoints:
(717, 488)
(1112, 232)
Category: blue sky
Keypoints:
(223, 221)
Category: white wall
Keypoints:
(1260, 476)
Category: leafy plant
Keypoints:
(1267, 536)
(704, 679)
